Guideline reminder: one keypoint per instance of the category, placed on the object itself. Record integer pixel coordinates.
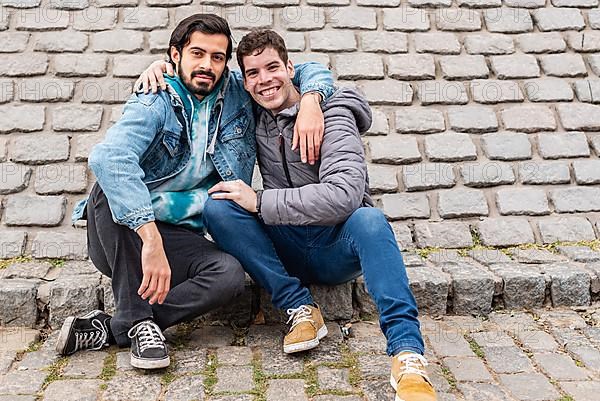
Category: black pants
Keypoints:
(202, 276)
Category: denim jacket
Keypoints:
(151, 143)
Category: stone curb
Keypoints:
(38, 294)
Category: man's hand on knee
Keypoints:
(237, 191)
(156, 281)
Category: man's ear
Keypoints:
(175, 55)
(290, 68)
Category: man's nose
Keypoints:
(205, 63)
(263, 76)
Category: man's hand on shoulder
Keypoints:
(309, 128)
(156, 281)
(237, 191)
(153, 77)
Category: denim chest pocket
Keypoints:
(173, 143)
(236, 138)
(165, 156)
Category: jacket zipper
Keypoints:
(284, 161)
(282, 150)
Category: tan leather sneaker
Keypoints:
(307, 329)
(410, 379)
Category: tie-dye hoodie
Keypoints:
(180, 200)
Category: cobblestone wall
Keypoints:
(485, 110)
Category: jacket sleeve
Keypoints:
(342, 176)
(313, 77)
(116, 161)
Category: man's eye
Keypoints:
(219, 58)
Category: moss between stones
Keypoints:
(109, 370)
(210, 373)
(55, 371)
(260, 380)
(56, 262)
(4, 263)
(475, 347)
(449, 377)
(552, 247)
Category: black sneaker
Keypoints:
(148, 348)
(91, 331)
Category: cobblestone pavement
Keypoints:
(549, 354)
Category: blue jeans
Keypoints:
(285, 259)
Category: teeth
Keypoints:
(268, 92)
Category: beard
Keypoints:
(202, 88)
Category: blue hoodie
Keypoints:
(180, 200)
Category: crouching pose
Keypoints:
(154, 169)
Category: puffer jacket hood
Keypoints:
(356, 102)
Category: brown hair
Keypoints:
(256, 42)
(210, 24)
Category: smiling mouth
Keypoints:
(269, 92)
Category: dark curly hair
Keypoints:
(257, 41)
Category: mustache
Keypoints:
(203, 74)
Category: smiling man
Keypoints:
(153, 170)
(315, 224)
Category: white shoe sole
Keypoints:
(306, 345)
(61, 343)
(395, 387)
(141, 363)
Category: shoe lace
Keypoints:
(413, 363)
(93, 340)
(148, 335)
(299, 315)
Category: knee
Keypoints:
(235, 275)
(216, 210)
(369, 221)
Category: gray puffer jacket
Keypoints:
(328, 192)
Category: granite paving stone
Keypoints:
(235, 356)
(522, 286)
(534, 172)
(286, 389)
(505, 232)
(483, 391)
(234, 378)
(582, 390)
(187, 388)
(560, 367)
(582, 254)
(529, 387)
(274, 361)
(468, 369)
(22, 382)
(374, 366)
(507, 360)
(534, 256)
(85, 365)
(334, 379)
(570, 286)
(132, 388)
(189, 361)
(536, 340)
(73, 390)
